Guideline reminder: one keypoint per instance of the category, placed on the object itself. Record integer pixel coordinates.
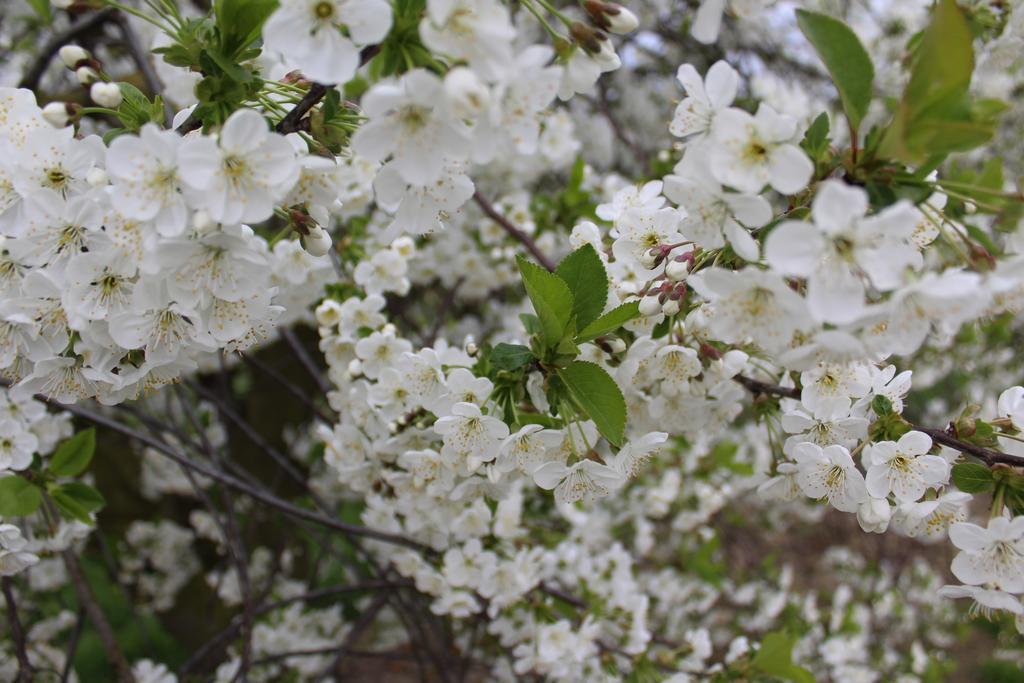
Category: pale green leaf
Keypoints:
(599, 396)
(845, 58)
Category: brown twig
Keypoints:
(946, 437)
(512, 230)
(236, 483)
(99, 620)
(292, 122)
(25, 674)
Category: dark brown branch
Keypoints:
(46, 53)
(25, 674)
(756, 386)
(513, 231)
(99, 620)
(987, 455)
(946, 437)
(292, 122)
(237, 484)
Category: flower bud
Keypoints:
(57, 114)
(611, 16)
(670, 307)
(87, 75)
(677, 270)
(317, 242)
(616, 345)
(874, 514)
(467, 95)
(96, 177)
(72, 55)
(650, 305)
(105, 94)
(472, 349)
(620, 19)
(649, 258)
(201, 222)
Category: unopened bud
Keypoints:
(472, 349)
(87, 75)
(650, 305)
(105, 94)
(73, 55)
(670, 307)
(201, 222)
(650, 258)
(611, 16)
(616, 345)
(57, 114)
(677, 269)
(317, 242)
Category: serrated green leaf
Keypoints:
(551, 299)
(971, 477)
(510, 356)
(775, 658)
(599, 396)
(73, 456)
(18, 497)
(83, 494)
(845, 58)
(610, 321)
(584, 273)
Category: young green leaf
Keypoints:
(551, 299)
(775, 658)
(83, 494)
(73, 456)
(18, 497)
(70, 508)
(935, 115)
(599, 396)
(971, 477)
(815, 140)
(510, 356)
(845, 58)
(240, 22)
(584, 272)
(610, 321)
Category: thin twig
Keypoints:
(25, 674)
(99, 620)
(513, 231)
(237, 484)
(946, 437)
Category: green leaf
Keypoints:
(610, 321)
(83, 494)
(815, 140)
(971, 477)
(70, 508)
(551, 299)
(510, 356)
(584, 272)
(845, 58)
(73, 456)
(18, 497)
(240, 22)
(936, 115)
(881, 405)
(775, 658)
(599, 396)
